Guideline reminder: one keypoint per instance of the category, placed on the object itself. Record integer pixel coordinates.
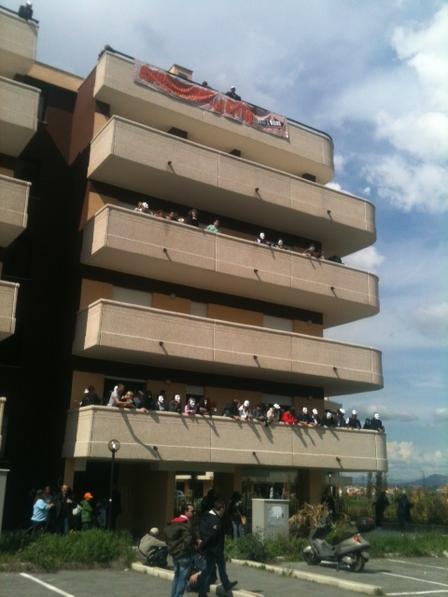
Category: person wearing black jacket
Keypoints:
(211, 531)
(181, 543)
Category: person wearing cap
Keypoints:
(245, 411)
(175, 405)
(273, 414)
(376, 423)
(315, 419)
(340, 418)
(304, 419)
(233, 94)
(86, 511)
(353, 422)
(151, 550)
(329, 419)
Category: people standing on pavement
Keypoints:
(236, 515)
(86, 512)
(380, 505)
(181, 544)
(64, 505)
(403, 509)
(211, 532)
(41, 508)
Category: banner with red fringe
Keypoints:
(211, 100)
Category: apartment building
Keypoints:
(103, 294)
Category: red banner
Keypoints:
(211, 100)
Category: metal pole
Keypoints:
(111, 489)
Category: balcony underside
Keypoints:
(168, 438)
(306, 151)
(131, 156)
(135, 243)
(114, 331)
(18, 40)
(18, 115)
(13, 208)
(8, 300)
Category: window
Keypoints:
(277, 323)
(277, 398)
(133, 297)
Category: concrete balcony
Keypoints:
(117, 331)
(18, 41)
(8, 300)
(168, 438)
(13, 208)
(133, 156)
(18, 115)
(135, 243)
(306, 150)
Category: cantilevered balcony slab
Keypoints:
(18, 41)
(13, 208)
(8, 300)
(18, 115)
(218, 441)
(306, 151)
(136, 157)
(135, 243)
(117, 331)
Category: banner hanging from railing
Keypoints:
(211, 100)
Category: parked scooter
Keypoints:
(351, 552)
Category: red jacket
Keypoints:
(288, 418)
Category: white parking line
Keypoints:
(431, 582)
(46, 585)
(444, 568)
(421, 592)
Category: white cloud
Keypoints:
(441, 414)
(400, 450)
(405, 458)
(367, 259)
(339, 162)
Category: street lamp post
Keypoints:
(114, 446)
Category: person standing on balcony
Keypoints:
(245, 411)
(192, 218)
(175, 405)
(304, 419)
(116, 395)
(353, 422)
(211, 531)
(181, 543)
(261, 239)
(90, 397)
(315, 419)
(329, 419)
(191, 408)
(376, 423)
(160, 404)
(340, 418)
(214, 227)
(273, 414)
(288, 417)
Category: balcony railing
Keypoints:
(13, 208)
(143, 245)
(169, 438)
(118, 331)
(18, 115)
(133, 156)
(306, 151)
(8, 300)
(18, 41)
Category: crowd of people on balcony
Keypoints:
(144, 402)
(192, 219)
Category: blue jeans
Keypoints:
(237, 529)
(182, 567)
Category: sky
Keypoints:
(373, 75)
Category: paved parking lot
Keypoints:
(397, 576)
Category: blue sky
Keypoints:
(373, 75)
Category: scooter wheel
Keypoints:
(358, 564)
(310, 557)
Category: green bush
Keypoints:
(86, 549)
(12, 541)
(251, 547)
(408, 545)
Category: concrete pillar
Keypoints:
(69, 471)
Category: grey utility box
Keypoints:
(270, 518)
